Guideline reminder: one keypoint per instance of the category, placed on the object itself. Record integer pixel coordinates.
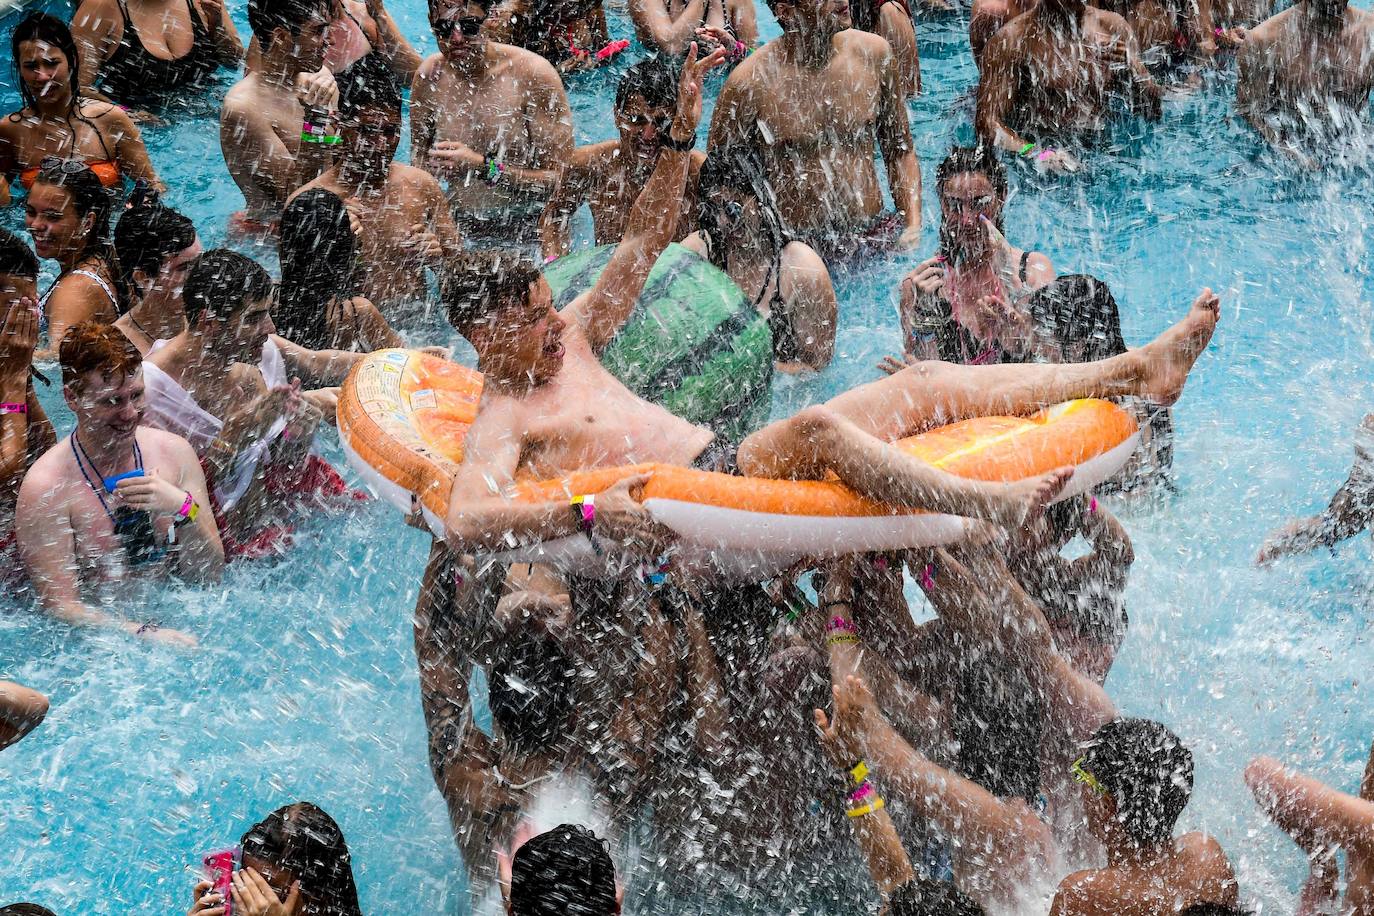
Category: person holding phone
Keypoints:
(116, 503)
(293, 861)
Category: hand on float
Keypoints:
(205, 902)
(325, 402)
(253, 896)
(18, 338)
(689, 93)
(355, 208)
(150, 493)
(621, 517)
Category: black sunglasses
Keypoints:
(469, 26)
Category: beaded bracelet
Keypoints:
(859, 772)
(878, 805)
(586, 508)
(494, 169)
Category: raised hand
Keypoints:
(18, 337)
(253, 896)
(205, 902)
(318, 90)
(689, 92)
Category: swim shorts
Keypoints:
(845, 246)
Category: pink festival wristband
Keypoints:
(14, 408)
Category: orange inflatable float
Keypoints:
(403, 416)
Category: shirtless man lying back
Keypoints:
(550, 407)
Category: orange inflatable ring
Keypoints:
(403, 416)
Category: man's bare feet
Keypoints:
(1167, 360)
(1026, 500)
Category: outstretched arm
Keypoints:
(1350, 511)
(843, 739)
(1312, 813)
(602, 310)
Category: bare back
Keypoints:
(1190, 870)
(1305, 69)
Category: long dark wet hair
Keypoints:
(318, 255)
(970, 160)
(304, 841)
(89, 198)
(1078, 308)
(864, 14)
(740, 169)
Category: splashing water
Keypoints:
(305, 685)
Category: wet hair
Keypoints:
(480, 283)
(977, 160)
(998, 722)
(222, 282)
(1077, 308)
(1214, 909)
(1147, 771)
(928, 897)
(970, 160)
(368, 85)
(739, 169)
(306, 842)
(530, 691)
(266, 16)
(565, 872)
(147, 234)
(16, 257)
(48, 29)
(654, 79)
(25, 909)
(89, 198)
(318, 257)
(486, 5)
(864, 14)
(93, 346)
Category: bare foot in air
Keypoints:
(1169, 358)
(1026, 500)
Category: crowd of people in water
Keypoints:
(749, 725)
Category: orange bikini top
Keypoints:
(107, 170)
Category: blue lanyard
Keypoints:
(79, 452)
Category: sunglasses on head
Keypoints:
(65, 166)
(467, 25)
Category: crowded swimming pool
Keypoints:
(304, 684)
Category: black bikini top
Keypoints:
(132, 72)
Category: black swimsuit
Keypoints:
(132, 72)
(953, 342)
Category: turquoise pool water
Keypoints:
(304, 686)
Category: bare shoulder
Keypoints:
(595, 155)
(48, 470)
(866, 44)
(1110, 23)
(801, 256)
(1268, 31)
(241, 97)
(416, 179)
(530, 67)
(1089, 892)
(1203, 850)
(97, 13)
(168, 446)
